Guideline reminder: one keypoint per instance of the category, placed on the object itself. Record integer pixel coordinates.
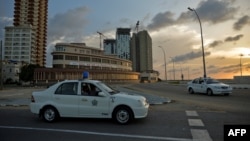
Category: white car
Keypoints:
(87, 98)
(208, 86)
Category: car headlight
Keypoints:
(142, 103)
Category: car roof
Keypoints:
(82, 80)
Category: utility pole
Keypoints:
(1, 67)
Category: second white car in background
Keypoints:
(208, 86)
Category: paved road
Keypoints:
(184, 119)
(20, 96)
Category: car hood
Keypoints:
(129, 96)
(219, 84)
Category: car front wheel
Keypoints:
(50, 114)
(190, 91)
(123, 115)
(209, 92)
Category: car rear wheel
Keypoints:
(50, 114)
(123, 115)
(209, 92)
(190, 91)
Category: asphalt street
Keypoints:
(20, 96)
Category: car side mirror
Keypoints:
(101, 94)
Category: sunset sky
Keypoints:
(225, 24)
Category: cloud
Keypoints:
(235, 38)
(215, 43)
(189, 56)
(230, 68)
(70, 24)
(241, 22)
(4, 21)
(216, 11)
(211, 11)
(161, 20)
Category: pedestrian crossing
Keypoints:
(194, 121)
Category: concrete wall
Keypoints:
(241, 79)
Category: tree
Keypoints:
(27, 72)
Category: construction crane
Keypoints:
(101, 35)
(137, 27)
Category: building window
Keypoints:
(75, 58)
(87, 59)
(105, 61)
(58, 57)
(96, 60)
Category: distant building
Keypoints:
(123, 43)
(11, 70)
(78, 55)
(34, 13)
(19, 44)
(110, 46)
(141, 52)
(71, 59)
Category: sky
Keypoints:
(225, 27)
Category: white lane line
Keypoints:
(200, 135)
(98, 133)
(195, 122)
(9, 95)
(191, 113)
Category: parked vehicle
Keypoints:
(87, 98)
(208, 86)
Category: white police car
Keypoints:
(208, 86)
(87, 98)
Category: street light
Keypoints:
(203, 54)
(173, 67)
(241, 65)
(164, 62)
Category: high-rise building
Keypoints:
(109, 46)
(34, 13)
(19, 44)
(141, 51)
(123, 43)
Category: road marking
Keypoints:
(99, 133)
(200, 135)
(191, 113)
(9, 95)
(195, 122)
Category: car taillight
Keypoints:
(32, 99)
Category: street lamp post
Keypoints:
(203, 54)
(241, 65)
(164, 62)
(173, 67)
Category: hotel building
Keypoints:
(33, 13)
(71, 59)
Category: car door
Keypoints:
(66, 99)
(202, 88)
(92, 105)
(196, 85)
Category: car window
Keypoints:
(196, 81)
(68, 88)
(211, 81)
(89, 89)
(109, 89)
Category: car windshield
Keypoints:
(212, 81)
(109, 89)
